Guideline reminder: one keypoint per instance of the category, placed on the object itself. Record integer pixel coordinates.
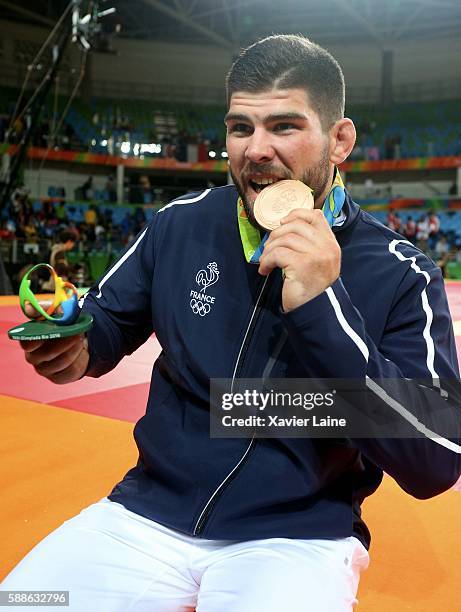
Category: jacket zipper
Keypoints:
(208, 508)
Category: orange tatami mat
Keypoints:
(54, 463)
(415, 552)
(57, 461)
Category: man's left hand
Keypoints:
(305, 248)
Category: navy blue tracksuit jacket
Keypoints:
(385, 317)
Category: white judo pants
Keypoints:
(112, 560)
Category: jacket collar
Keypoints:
(351, 211)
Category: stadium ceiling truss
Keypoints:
(231, 24)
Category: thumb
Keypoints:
(32, 313)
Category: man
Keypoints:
(434, 229)
(422, 232)
(409, 230)
(58, 258)
(254, 524)
(59, 250)
(87, 188)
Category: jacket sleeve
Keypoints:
(120, 303)
(417, 343)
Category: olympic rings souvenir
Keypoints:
(65, 296)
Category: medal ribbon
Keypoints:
(251, 237)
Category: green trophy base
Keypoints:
(46, 330)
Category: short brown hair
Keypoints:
(286, 61)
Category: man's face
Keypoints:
(272, 136)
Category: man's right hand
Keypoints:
(62, 360)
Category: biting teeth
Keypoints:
(265, 181)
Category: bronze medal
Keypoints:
(278, 200)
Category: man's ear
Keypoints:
(342, 140)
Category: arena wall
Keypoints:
(72, 178)
(424, 69)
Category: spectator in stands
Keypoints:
(390, 220)
(442, 248)
(47, 212)
(20, 203)
(139, 219)
(181, 146)
(59, 250)
(453, 189)
(392, 146)
(434, 228)
(5, 230)
(91, 216)
(87, 189)
(126, 227)
(393, 221)
(99, 233)
(20, 222)
(15, 205)
(444, 254)
(409, 229)
(113, 233)
(146, 189)
(11, 226)
(398, 223)
(31, 229)
(48, 229)
(61, 212)
(389, 148)
(111, 188)
(422, 232)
